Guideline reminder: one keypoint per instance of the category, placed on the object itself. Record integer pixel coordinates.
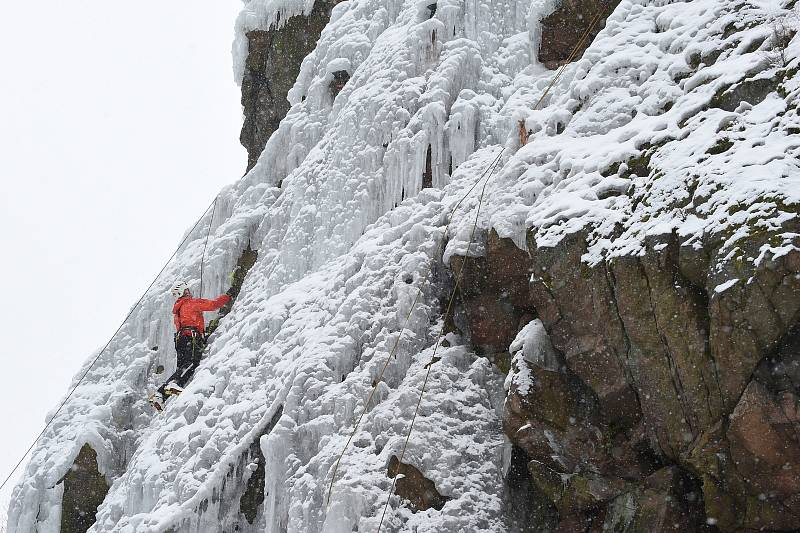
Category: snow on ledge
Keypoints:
(722, 287)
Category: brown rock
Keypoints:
(271, 68)
(85, 488)
(651, 363)
(589, 522)
(577, 307)
(554, 421)
(575, 494)
(723, 493)
(564, 28)
(419, 491)
(510, 269)
(764, 436)
(666, 321)
(750, 318)
(668, 500)
(527, 509)
(494, 293)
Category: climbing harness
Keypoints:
(189, 331)
(52, 417)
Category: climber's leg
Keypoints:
(183, 347)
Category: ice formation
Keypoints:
(347, 238)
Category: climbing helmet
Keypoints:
(179, 288)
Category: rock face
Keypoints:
(273, 63)
(84, 490)
(673, 400)
(566, 26)
(252, 499)
(494, 296)
(419, 491)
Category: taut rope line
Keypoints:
(400, 334)
(94, 361)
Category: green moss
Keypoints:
(577, 493)
(782, 76)
(611, 170)
(781, 205)
(752, 91)
(711, 57)
(586, 271)
(546, 278)
(722, 146)
(502, 360)
(717, 98)
(680, 76)
(738, 25)
(743, 247)
(639, 165)
(729, 30)
(85, 488)
(779, 201)
(243, 266)
(547, 481)
(253, 497)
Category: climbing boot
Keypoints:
(157, 401)
(172, 389)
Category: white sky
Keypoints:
(119, 122)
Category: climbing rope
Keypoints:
(439, 337)
(549, 87)
(492, 165)
(205, 244)
(571, 57)
(405, 323)
(102, 351)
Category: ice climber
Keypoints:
(189, 338)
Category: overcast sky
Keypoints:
(119, 122)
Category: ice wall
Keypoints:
(315, 310)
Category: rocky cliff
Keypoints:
(272, 63)
(561, 300)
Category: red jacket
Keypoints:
(188, 312)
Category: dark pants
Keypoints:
(190, 350)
